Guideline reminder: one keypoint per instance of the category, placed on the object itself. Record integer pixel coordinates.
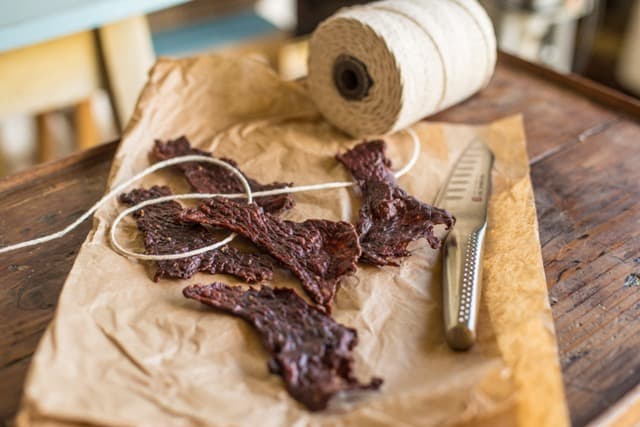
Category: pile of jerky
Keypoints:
(309, 350)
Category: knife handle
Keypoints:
(462, 277)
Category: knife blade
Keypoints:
(466, 196)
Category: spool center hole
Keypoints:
(350, 80)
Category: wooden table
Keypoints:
(585, 164)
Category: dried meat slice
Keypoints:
(311, 351)
(210, 178)
(318, 252)
(389, 218)
(165, 233)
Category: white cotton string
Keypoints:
(414, 154)
(248, 194)
(116, 190)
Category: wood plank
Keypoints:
(47, 149)
(595, 91)
(87, 133)
(624, 414)
(546, 109)
(53, 170)
(588, 200)
(13, 376)
(48, 76)
(50, 197)
(127, 54)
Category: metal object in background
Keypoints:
(539, 30)
(466, 196)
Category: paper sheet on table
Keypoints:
(123, 350)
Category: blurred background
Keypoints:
(71, 70)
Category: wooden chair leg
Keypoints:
(47, 149)
(87, 134)
(128, 55)
(3, 165)
(3, 160)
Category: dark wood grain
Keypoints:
(553, 115)
(582, 141)
(588, 200)
(35, 203)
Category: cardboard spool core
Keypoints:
(351, 78)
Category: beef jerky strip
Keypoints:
(317, 251)
(165, 233)
(311, 351)
(389, 217)
(210, 178)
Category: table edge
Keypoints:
(54, 166)
(595, 91)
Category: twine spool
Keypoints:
(380, 67)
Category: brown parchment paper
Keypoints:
(125, 351)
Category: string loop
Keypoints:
(248, 194)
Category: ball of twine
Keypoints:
(380, 67)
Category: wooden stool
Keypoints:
(66, 71)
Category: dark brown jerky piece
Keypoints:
(165, 233)
(389, 217)
(212, 179)
(311, 351)
(317, 251)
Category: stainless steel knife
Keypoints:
(466, 196)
